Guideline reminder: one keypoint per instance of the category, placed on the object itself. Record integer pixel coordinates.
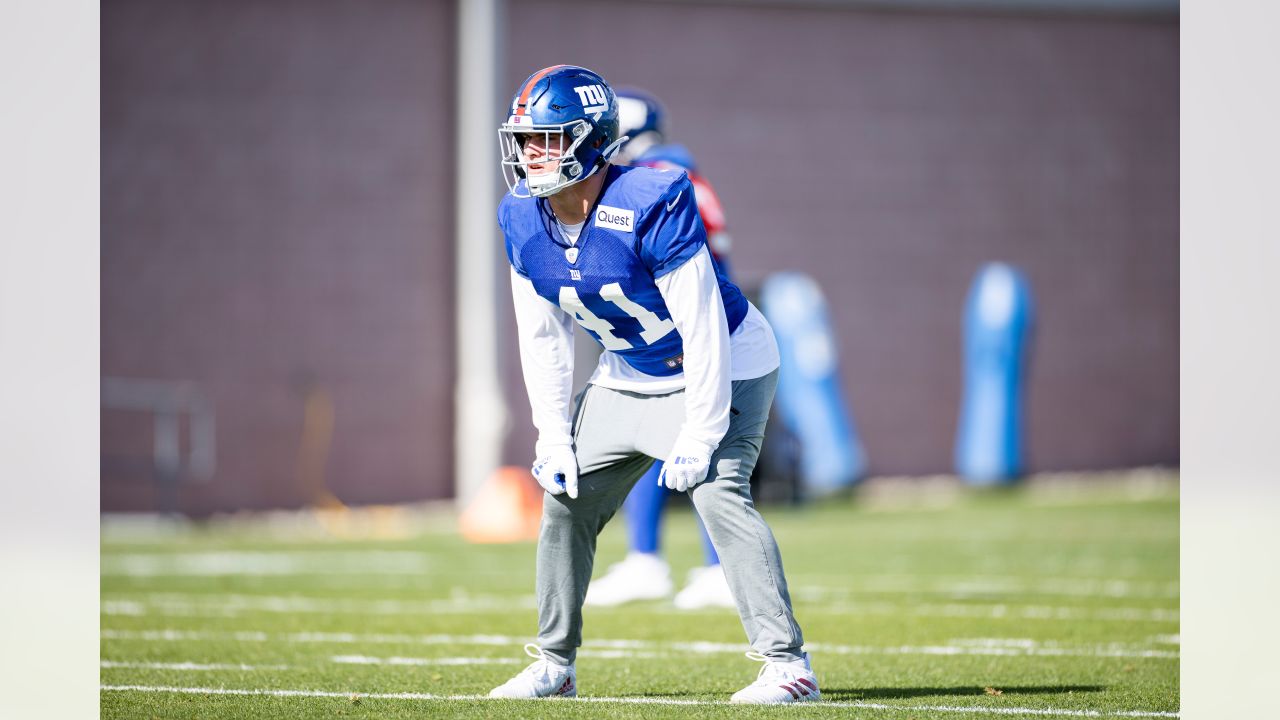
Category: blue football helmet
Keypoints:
(642, 119)
(576, 112)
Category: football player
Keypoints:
(644, 574)
(688, 372)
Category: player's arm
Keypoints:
(686, 278)
(692, 295)
(546, 359)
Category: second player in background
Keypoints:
(645, 574)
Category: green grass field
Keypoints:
(1055, 600)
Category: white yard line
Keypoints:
(1000, 611)
(366, 660)
(110, 664)
(636, 647)
(198, 605)
(328, 563)
(323, 562)
(1024, 646)
(184, 635)
(1100, 651)
(233, 605)
(362, 660)
(973, 710)
(845, 586)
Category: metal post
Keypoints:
(479, 407)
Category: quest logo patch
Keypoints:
(615, 218)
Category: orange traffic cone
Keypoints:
(508, 508)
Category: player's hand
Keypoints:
(687, 465)
(556, 469)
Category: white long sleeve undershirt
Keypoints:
(692, 295)
(546, 359)
(712, 357)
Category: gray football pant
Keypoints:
(617, 435)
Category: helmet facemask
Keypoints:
(561, 166)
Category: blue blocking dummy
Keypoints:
(997, 330)
(809, 399)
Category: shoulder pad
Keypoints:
(641, 188)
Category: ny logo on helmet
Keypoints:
(593, 99)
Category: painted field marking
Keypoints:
(1021, 646)
(366, 660)
(327, 563)
(196, 605)
(973, 710)
(316, 562)
(968, 585)
(1047, 649)
(184, 635)
(233, 605)
(111, 664)
(1002, 611)
(361, 660)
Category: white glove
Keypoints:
(687, 465)
(556, 469)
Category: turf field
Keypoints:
(1059, 599)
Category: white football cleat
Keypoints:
(780, 682)
(543, 678)
(641, 576)
(707, 587)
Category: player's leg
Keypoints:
(567, 548)
(748, 551)
(643, 512)
(709, 553)
(566, 551)
(643, 574)
(749, 554)
(609, 465)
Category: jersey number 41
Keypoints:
(653, 330)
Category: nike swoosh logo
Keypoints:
(671, 206)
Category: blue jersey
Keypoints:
(644, 225)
